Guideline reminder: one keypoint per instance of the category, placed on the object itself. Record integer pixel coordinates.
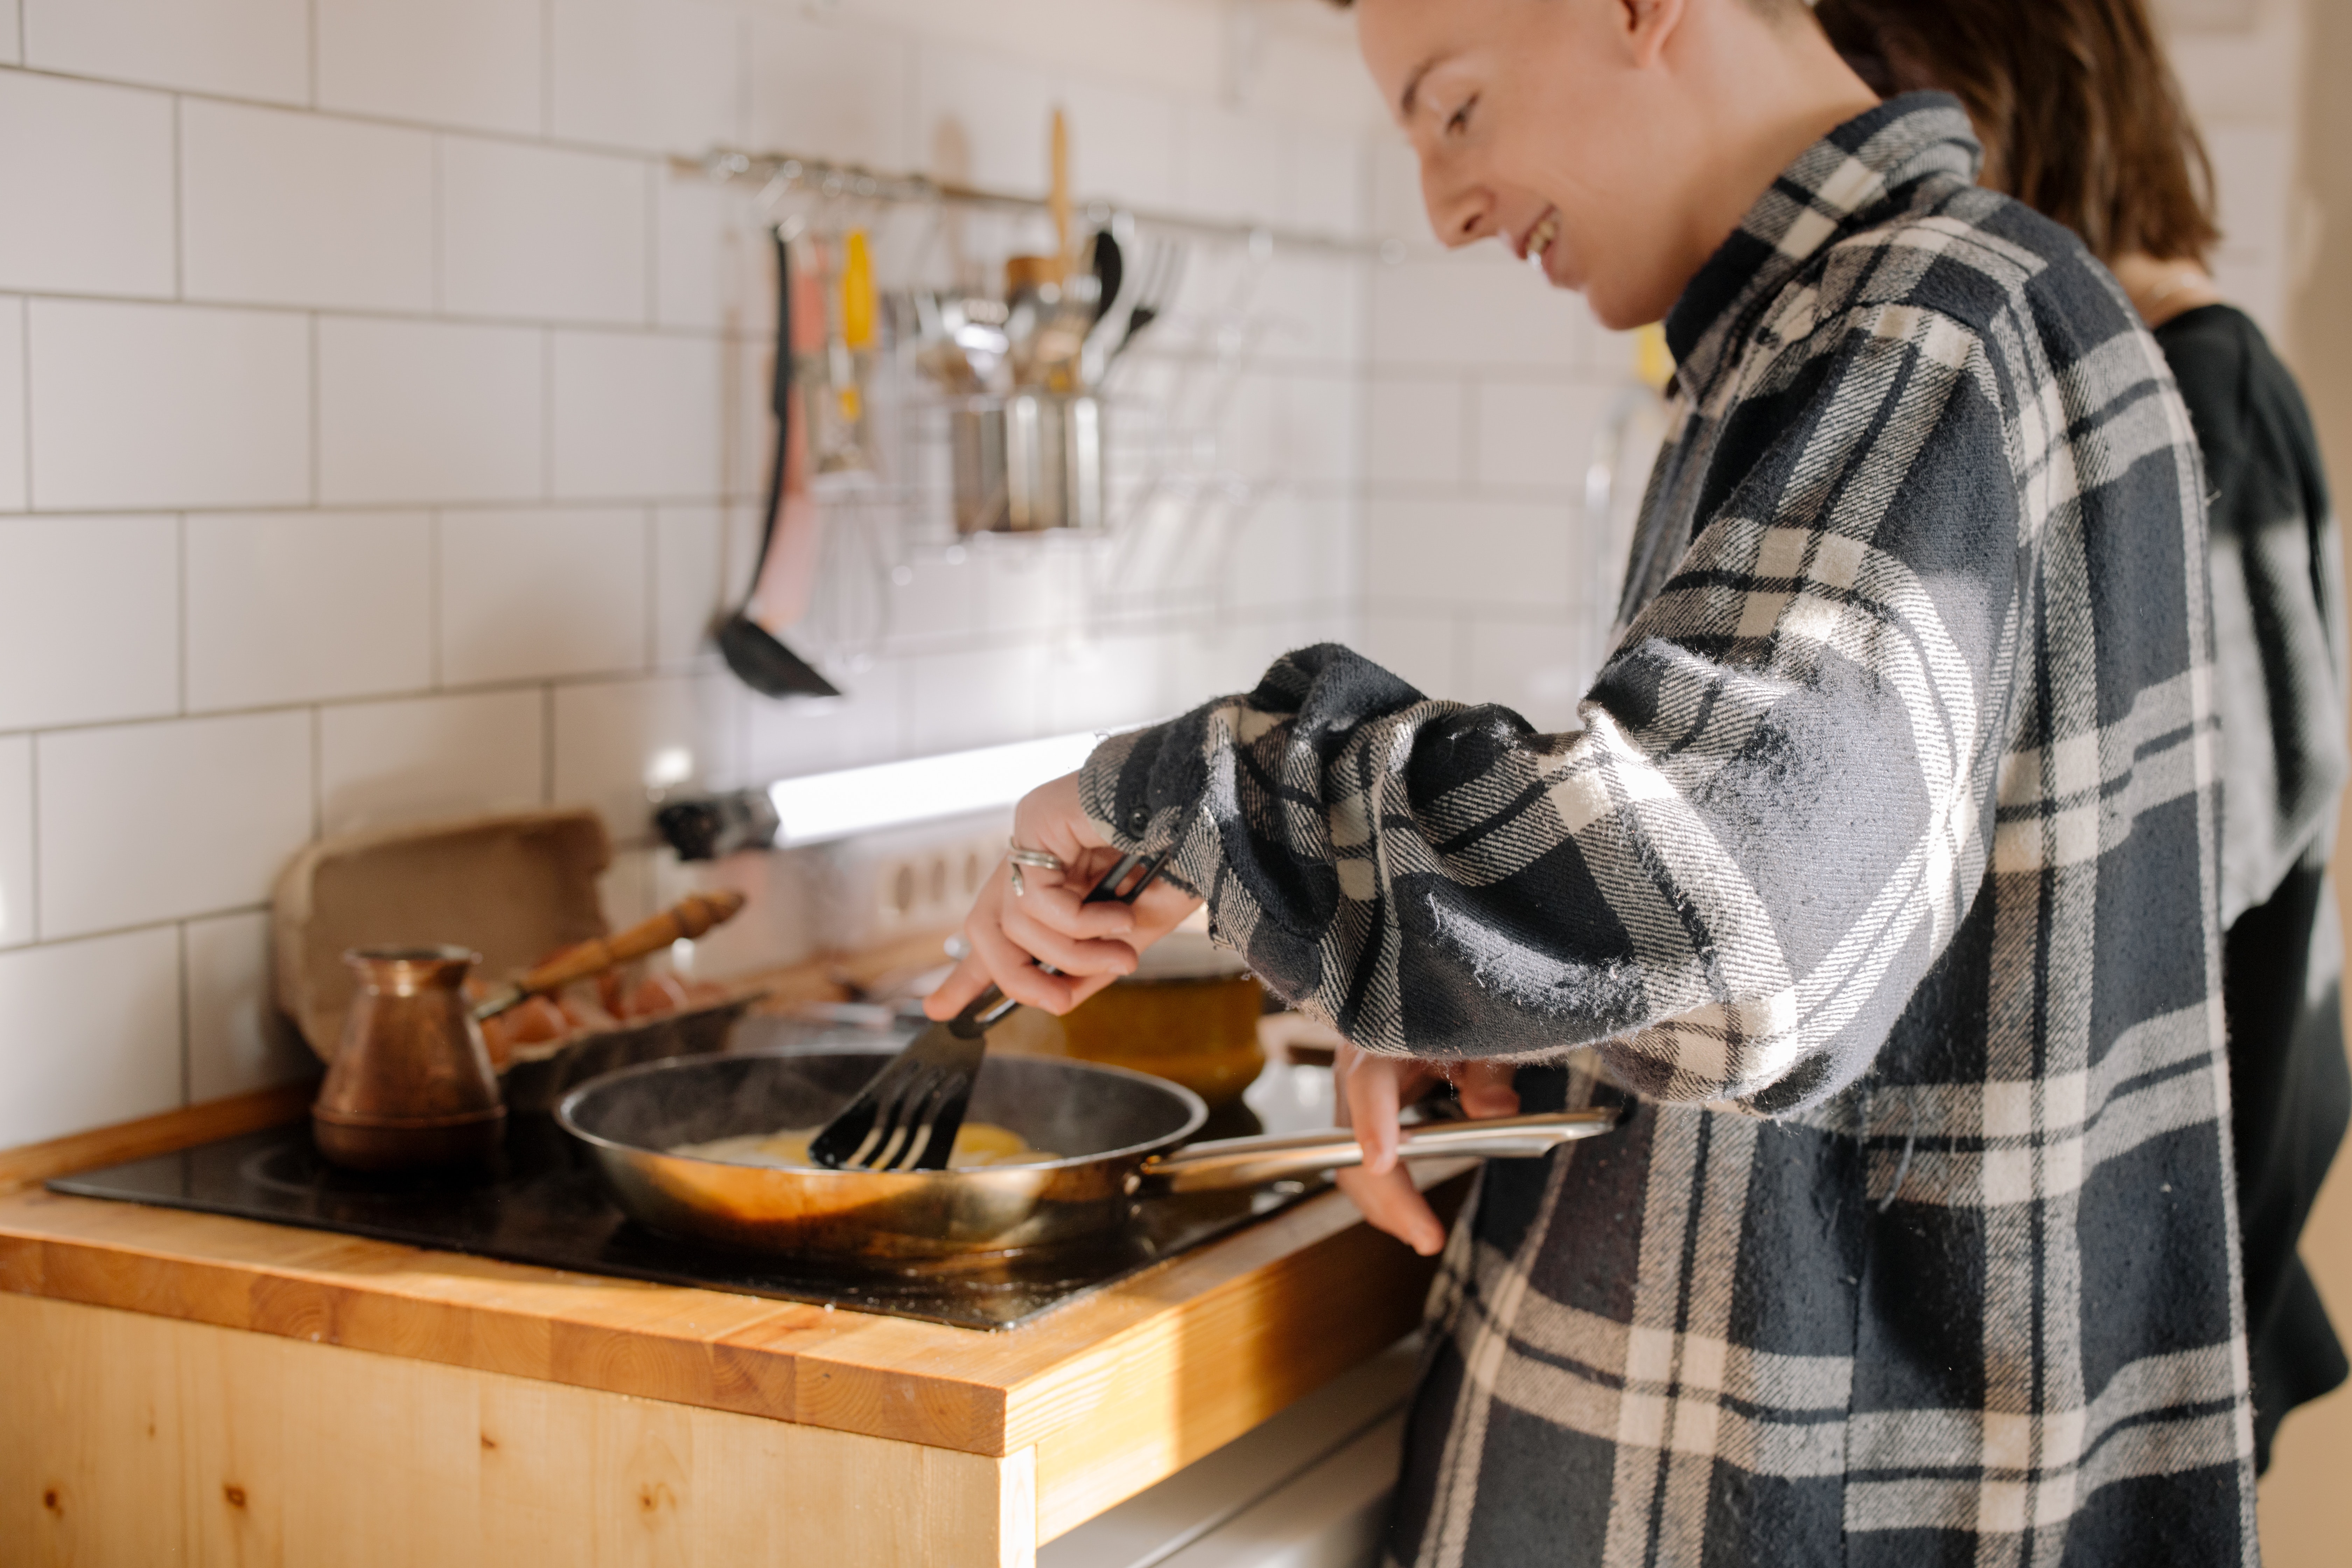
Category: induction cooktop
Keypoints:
(544, 1205)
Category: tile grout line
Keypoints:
(653, 243)
(187, 1072)
(609, 675)
(24, 372)
(547, 415)
(653, 586)
(612, 327)
(547, 70)
(317, 417)
(440, 241)
(318, 771)
(33, 798)
(179, 204)
(498, 133)
(433, 615)
(103, 933)
(180, 564)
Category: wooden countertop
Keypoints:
(1112, 1392)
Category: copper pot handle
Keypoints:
(1252, 1161)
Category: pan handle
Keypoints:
(1251, 1161)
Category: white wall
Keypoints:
(2240, 64)
(381, 425)
(1483, 581)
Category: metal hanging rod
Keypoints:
(785, 172)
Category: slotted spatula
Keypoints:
(907, 1119)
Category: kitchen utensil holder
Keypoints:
(1030, 461)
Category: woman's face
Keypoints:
(1552, 125)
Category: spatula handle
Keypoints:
(988, 1008)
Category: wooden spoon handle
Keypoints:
(689, 918)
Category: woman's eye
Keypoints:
(1459, 120)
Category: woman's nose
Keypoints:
(1459, 213)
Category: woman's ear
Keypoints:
(1645, 26)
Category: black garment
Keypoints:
(2278, 626)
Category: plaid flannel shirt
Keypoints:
(1883, 872)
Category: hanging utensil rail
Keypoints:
(784, 171)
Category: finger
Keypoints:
(967, 980)
(1374, 1095)
(1393, 1203)
(1068, 954)
(1063, 909)
(1052, 817)
(1485, 1089)
(1017, 977)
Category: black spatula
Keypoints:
(907, 1119)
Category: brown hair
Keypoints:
(2078, 109)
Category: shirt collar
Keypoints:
(1815, 201)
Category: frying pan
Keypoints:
(1115, 1130)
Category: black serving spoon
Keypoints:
(757, 656)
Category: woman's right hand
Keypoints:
(1013, 935)
(1370, 1092)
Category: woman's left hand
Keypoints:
(1049, 921)
(1371, 1092)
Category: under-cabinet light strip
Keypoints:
(892, 795)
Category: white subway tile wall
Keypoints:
(283, 208)
(164, 405)
(237, 1039)
(639, 416)
(140, 823)
(655, 75)
(530, 594)
(86, 180)
(383, 764)
(237, 49)
(832, 90)
(541, 233)
(425, 411)
(94, 1033)
(90, 619)
(294, 606)
(12, 404)
(619, 743)
(15, 840)
(382, 420)
(480, 64)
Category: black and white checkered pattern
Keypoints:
(1885, 872)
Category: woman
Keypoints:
(1881, 883)
(2081, 118)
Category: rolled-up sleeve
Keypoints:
(1773, 819)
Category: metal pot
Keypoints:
(1027, 462)
(411, 1085)
(1117, 1132)
(1188, 1013)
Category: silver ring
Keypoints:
(1045, 860)
(1014, 875)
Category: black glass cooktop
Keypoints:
(543, 1204)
